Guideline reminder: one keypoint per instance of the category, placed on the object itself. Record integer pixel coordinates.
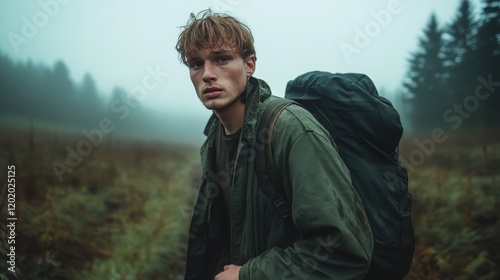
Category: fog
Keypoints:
(89, 53)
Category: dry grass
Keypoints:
(115, 216)
(456, 208)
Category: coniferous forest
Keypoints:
(452, 80)
(104, 204)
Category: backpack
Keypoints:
(367, 130)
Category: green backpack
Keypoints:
(367, 131)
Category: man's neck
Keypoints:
(232, 117)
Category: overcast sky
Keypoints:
(117, 41)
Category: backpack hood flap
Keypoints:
(352, 99)
(317, 85)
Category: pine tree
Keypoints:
(460, 43)
(425, 81)
(60, 93)
(89, 103)
(488, 59)
(460, 38)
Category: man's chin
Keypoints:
(211, 105)
(219, 104)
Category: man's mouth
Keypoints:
(212, 92)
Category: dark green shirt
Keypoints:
(226, 157)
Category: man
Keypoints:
(236, 231)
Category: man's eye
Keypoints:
(196, 64)
(223, 59)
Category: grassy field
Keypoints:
(456, 208)
(123, 211)
(117, 215)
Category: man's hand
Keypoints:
(230, 273)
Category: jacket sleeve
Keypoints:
(336, 241)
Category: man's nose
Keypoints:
(208, 72)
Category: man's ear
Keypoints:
(250, 65)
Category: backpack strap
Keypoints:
(269, 180)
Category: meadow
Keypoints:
(120, 214)
(456, 207)
(123, 211)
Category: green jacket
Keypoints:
(331, 237)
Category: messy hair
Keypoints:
(209, 30)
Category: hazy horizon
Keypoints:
(121, 43)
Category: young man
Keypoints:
(236, 231)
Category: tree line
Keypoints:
(453, 77)
(41, 92)
(48, 93)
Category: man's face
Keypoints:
(219, 77)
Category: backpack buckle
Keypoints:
(282, 205)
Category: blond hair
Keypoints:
(210, 30)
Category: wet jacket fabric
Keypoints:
(330, 237)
